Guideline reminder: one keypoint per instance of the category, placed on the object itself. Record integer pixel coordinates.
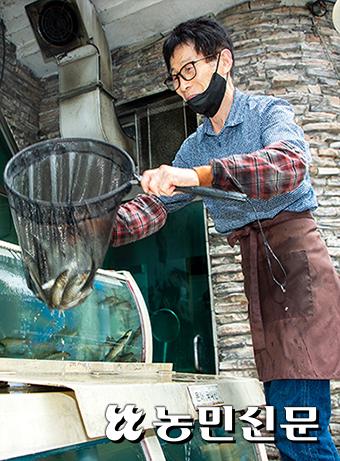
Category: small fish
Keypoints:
(77, 289)
(64, 291)
(136, 336)
(58, 289)
(73, 288)
(14, 345)
(56, 355)
(113, 299)
(78, 300)
(110, 340)
(119, 306)
(128, 357)
(116, 302)
(66, 332)
(42, 350)
(118, 346)
(123, 306)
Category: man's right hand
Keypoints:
(165, 179)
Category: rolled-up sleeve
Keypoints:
(138, 219)
(146, 214)
(279, 167)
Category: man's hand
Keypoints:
(164, 180)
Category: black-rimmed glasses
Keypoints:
(187, 72)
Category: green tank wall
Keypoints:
(170, 268)
(7, 231)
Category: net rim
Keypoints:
(55, 141)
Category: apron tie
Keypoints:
(254, 309)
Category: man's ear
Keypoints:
(226, 61)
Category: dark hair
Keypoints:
(207, 35)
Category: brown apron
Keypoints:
(296, 333)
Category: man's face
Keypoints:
(184, 54)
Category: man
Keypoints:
(251, 144)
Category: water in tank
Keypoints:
(107, 326)
(100, 450)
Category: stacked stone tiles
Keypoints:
(20, 97)
(49, 109)
(283, 51)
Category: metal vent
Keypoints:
(57, 26)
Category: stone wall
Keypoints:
(49, 109)
(280, 50)
(20, 97)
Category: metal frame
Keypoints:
(131, 115)
(9, 139)
(80, 411)
(6, 133)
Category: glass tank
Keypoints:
(195, 450)
(171, 270)
(102, 450)
(199, 450)
(110, 325)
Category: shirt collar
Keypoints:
(235, 117)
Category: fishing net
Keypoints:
(64, 195)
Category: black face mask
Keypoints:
(208, 102)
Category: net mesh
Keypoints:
(64, 195)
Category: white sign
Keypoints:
(205, 395)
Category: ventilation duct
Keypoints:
(336, 15)
(70, 31)
(57, 26)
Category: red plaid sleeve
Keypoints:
(278, 168)
(137, 219)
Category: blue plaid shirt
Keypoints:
(257, 125)
(254, 122)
